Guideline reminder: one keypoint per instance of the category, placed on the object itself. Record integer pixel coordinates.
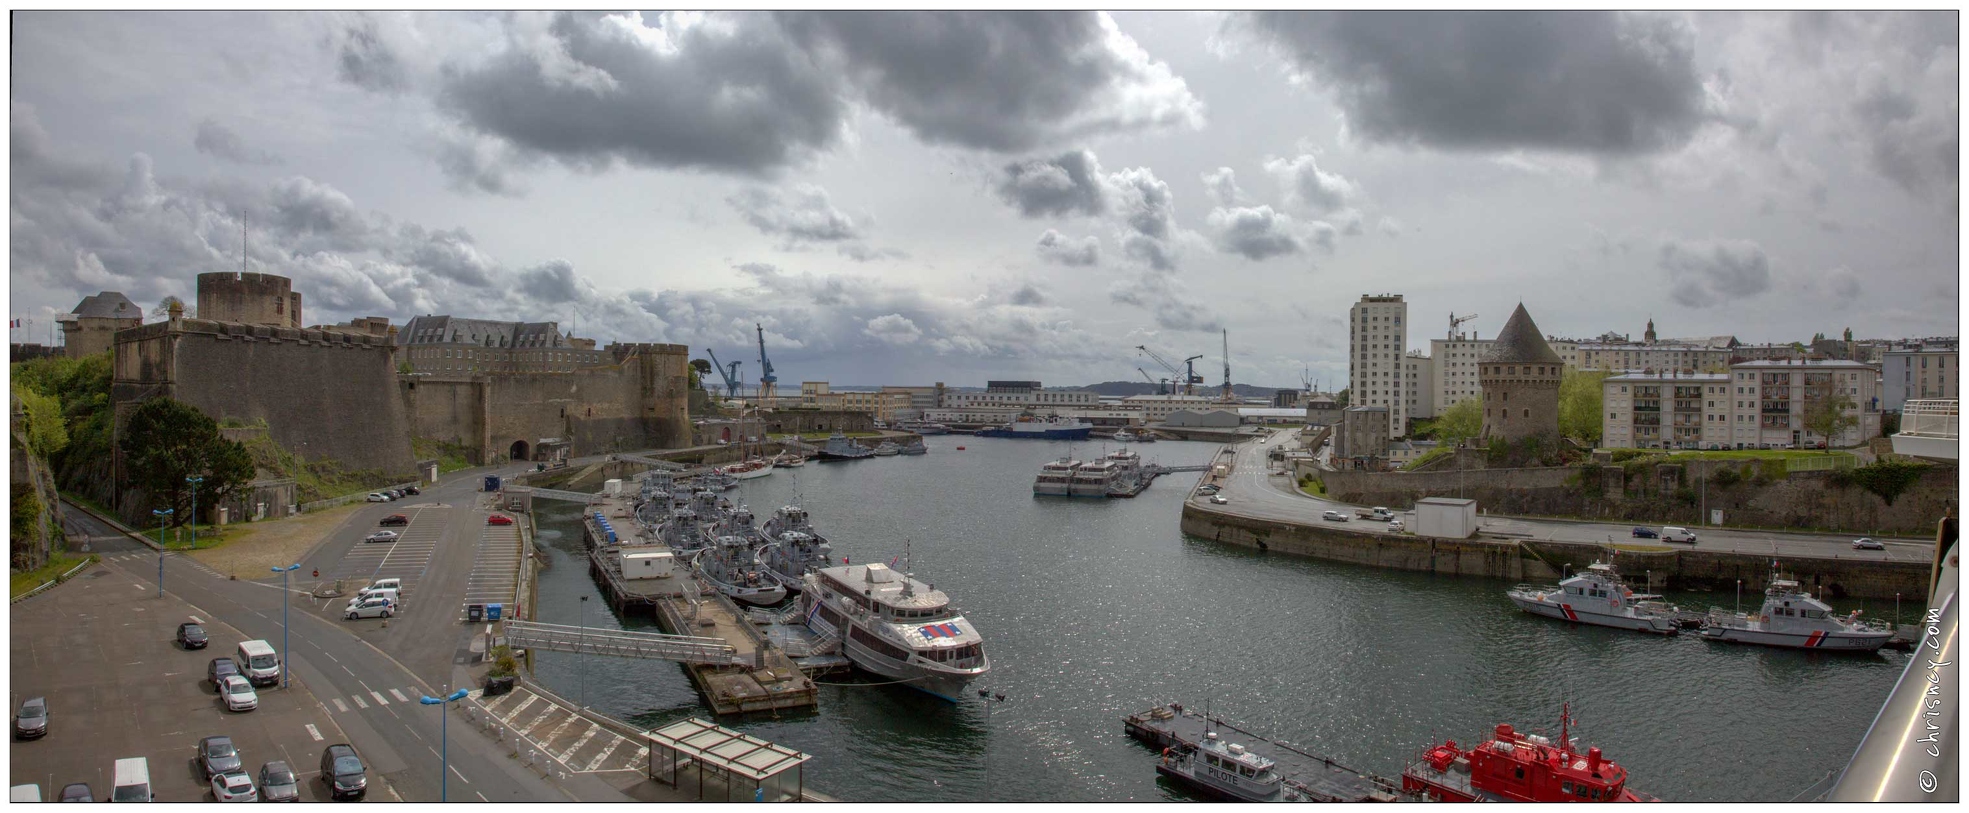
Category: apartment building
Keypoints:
(1918, 371)
(1670, 410)
(1454, 373)
(1377, 329)
(1418, 378)
(1022, 394)
(1761, 404)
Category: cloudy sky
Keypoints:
(902, 198)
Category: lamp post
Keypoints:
(285, 600)
(194, 481)
(163, 515)
(583, 667)
(444, 739)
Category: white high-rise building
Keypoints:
(1419, 377)
(1377, 374)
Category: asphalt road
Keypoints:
(1255, 490)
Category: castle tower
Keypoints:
(248, 298)
(1520, 381)
(1649, 336)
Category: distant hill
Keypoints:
(1123, 389)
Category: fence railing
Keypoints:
(1839, 462)
(359, 496)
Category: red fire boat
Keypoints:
(1513, 766)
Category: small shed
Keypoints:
(749, 768)
(647, 564)
(1446, 517)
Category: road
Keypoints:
(367, 676)
(1256, 490)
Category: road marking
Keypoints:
(399, 696)
(341, 706)
(482, 798)
(559, 728)
(313, 733)
(544, 714)
(585, 737)
(461, 777)
(359, 703)
(196, 620)
(602, 757)
(380, 700)
(522, 707)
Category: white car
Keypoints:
(377, 496)
(1395, 526)
(1219, 499)
(238, 694)
(1867, 543)
(234, 786)
(373, 607)
(1333, 516)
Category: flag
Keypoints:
(14, 323)
(894, 559)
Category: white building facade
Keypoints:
(1454, 373)
(1918, 373)
(1377, 329)
(1756, 405)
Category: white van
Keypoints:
(24, 793)
(258, 662)
(1670, 533)
(132, 781)
(394, 595)
(385, 584)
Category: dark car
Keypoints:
(1645, 533)
(220, 668)
(77, 792)
(412, 490)
(216, 755)
(278, 784)
(32, 721)
(395, 519)
(191, 636)
(342, 770)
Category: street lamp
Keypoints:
(444, 739)
(163, 515)
(194, 481)
(583, 668)
(285, 600)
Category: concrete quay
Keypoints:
(1266, 512)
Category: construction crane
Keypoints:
(1454, 321)
(1161, 387)
(766, 377)
(1190, 378)
(730, 375)
(1227, 398)
(1173, 372)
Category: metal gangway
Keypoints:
(1159, 470)
(621, 644)
(568, 496)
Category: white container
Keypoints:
(612, 488)
(647, 564)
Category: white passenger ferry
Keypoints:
(1793, 618)
(1597, 595)
(896, 627)
(1056, 478)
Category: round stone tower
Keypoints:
(248, 298)
(1520, 381)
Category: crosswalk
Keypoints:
(364, 700)
(579, 744)
(407, 558)
(150, 557)
(495, 568)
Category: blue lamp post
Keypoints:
(584, 652)
(163, 515)
(194, 481)
(285, 600)
(444, 739)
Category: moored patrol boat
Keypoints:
(1597, 595)
(793, 548)
(1226, 770)
(1793, 618)
(894, 626)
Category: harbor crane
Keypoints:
(1455, 321)
(1161, 387)
(1190, 378)
(728, 372)
(766, 377)
(1227, 398)
(1173, 372)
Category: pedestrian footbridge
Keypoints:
(622, 644)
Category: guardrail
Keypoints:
(359, 496)
(86, 561)
(1829, 462)
(622, 644)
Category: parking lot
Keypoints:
(101, 649)
(406, 558)
(495, 568)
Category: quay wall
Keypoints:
(1544, 561)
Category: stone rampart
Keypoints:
(639, 402)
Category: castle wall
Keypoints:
(448, 410)
(248, 298)
(323, 395)
(638, 403)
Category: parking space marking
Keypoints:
(399, 696)
(603, 756)
(196, 620)
(556, 733)
(359, 703)
(314, 733)
(522, 707)
(341, 706)
(544, 714)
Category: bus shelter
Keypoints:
(749, 768)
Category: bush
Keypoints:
(1725, 477)
(1624, 455)
(503, 662)
(1887, 479)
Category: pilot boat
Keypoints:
(1513, 766)
(1226, 770)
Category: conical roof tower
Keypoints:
(1520, 342)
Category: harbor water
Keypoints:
(1093, 609)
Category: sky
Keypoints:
(902, 198)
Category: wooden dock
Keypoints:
(683, 606)
(1315, 777)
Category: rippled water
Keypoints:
(1094, 609)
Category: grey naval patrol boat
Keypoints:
(1793, 618)
(1227, 771)
(793, 548)
(732, 567)
(896, 627)
(1597, 595)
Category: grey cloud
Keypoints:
(591, 90)
(309, 209)
(1053, 247)
(1040, 187)
(1593, 82)
(862, 253)
(1714, 272)
(1149, 251)
(1844, 285)
(802, 214)
(1391, 227)
(551, 283)
(450, 254)
(1001, 81)
(1309, 186)
(1221, 183)
(1165, 299)
(1916, 149)
(893, 329)
(1253, 233)
(364, 59)
(1145, 202)
(221, 142)
(471, 165)
(1028, 294)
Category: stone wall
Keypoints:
(639, 402)
(802, 421)
(248, 298)
(321, 395)
(1545, 561)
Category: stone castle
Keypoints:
(1519, 377)
(359, 393)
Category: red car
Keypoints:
(498, 519)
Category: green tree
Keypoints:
(43, 425)
(1341, 399)
(1826, 416)
(1460, 422)
(167, 441)
(1580, 402)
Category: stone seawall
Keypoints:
(1544, 561)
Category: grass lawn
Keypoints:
(58, 564)
(1312, 485)
(1739, 454)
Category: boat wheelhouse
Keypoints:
(1226, 770)
(1094, 479)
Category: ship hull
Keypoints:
(1079, 433)
(1049, 490)
(753, 474)
(1213, 791)
(1582, 614)
(1817, 640)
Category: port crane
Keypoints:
(1190, 376)
(729, 372)
(1455, 321)
(766, 377)
(1186, 376)
(1227, 398)
(1161, 387)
